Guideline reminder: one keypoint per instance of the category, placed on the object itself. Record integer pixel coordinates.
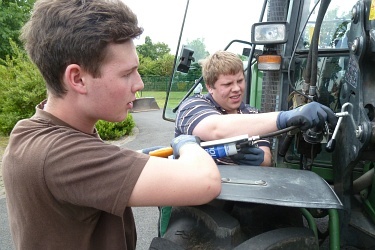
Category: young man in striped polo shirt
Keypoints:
(221, 113)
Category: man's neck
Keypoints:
(70, 113)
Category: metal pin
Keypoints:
(244, 182)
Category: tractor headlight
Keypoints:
(269, 33)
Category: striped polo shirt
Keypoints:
(194, 109)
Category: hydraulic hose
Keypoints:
(311, 67)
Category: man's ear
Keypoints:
(73, 78)
(209, 89)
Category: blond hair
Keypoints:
(220, 63)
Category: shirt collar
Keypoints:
(209, 97)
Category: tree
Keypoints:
(199, 49)
(153, 51)
(13, 14)
(154, 59)
(161, 67)
(147, 66)
(165, 65)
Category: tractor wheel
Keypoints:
(259, 218)
(282, 238)
(203, 227)
(212, 227)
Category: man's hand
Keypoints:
(307, 116)
(250, 155)
(181, 140)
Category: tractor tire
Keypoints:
(282, 238)
(226, 227)
(158, 243)
(202, 227)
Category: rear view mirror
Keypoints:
(186, 57)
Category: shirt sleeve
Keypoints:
(263, 143)
(191, 112)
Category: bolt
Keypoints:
(355, 45)
(354, 14)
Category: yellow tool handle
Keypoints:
(162, 152)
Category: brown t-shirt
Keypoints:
(67, 189)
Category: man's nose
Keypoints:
(236, 87)
(139, 83)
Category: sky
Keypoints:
(160, 19)
(215, 21)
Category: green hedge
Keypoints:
(115, 130)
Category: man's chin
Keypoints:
(119, 118)
(235, 104)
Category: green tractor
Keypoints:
(320, 191)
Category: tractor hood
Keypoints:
(276, 186)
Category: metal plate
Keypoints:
(276, 186)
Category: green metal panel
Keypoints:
(256, 87)
(370, 201)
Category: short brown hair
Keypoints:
(63, 32)
(220, 63)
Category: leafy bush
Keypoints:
(21, 89)
(115, 130)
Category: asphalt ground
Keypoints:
(151, 130)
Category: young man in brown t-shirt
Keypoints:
(66, 188)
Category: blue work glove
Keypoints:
(181, 140)
(250, 155)
(307, 116)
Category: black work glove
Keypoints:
(307, 116)
(181, 140)
(250, 155)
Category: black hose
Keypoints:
(311, 66)
(294, 53)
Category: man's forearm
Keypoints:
(223, 126)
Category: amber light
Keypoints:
(269, 59)
(269, 62)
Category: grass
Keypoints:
(160, 96)
(3, 144)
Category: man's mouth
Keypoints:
(130, 105)
(236, 97)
